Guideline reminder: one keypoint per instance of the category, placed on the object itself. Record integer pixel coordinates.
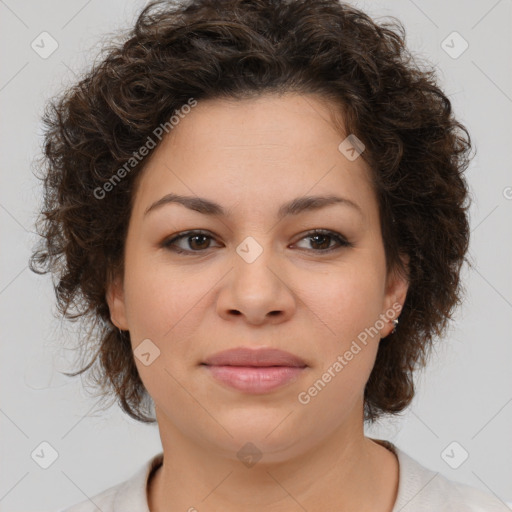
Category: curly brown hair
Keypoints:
(207, 49)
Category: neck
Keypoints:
(345, 472)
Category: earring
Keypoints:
(395, 323)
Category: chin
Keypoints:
(271, 430)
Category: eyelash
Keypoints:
(167, 244)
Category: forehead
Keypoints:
(255, 153)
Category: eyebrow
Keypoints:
(293, 207)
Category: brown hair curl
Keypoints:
(206, 49)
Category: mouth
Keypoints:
(254, 371)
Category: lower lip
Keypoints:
(255, 379)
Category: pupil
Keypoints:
(321, 237)
(195, 237)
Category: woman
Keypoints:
(259, 208)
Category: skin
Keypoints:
(250, 157)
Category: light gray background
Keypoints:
(464, 396)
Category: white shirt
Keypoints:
(419, 490)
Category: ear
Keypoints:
(395, 295)
(116, 302)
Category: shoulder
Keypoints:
(103, 501)
(127, 496)
(421, 489)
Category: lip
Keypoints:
(255, 371)
(254, 357)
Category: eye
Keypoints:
(197, 241)
(322, 239)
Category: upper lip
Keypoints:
(254, 357)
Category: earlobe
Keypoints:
(396, 293)
(116, 303)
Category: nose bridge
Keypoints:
(255, 289)
(254, 260)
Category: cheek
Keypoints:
(165, 308)
(348, 308)
(169, 306)
(347, 305)
(157, 296)
(346, 302)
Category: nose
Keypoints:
(257, 292)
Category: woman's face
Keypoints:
(255, 277)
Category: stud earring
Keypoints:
(395, 323)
